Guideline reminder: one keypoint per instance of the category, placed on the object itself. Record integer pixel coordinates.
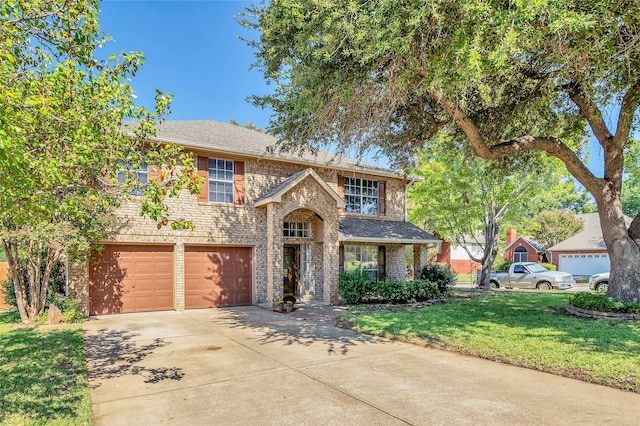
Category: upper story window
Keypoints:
(296, 230)
(138, 175)
(220, 181)
(361, 196)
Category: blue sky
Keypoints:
(193, 51)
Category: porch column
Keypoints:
(331, 292)
(396, 262)
(420, 258)
(274, 255)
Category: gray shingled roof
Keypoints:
(529, 240)
(229, 138)
(589, 239)
(383, 231)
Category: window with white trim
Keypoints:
(296, 230)
(361, 196)
(362, 258)
(220, 181)
(520, 254)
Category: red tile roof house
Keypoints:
(267, 225)
(584, 253)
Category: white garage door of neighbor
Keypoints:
(584, 264)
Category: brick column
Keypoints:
(396, 262)
(420, 258)
(178, 302)
(79, 285)
(331, 293)
(274, 255)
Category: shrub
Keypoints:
(69, 308)
(406, 291)
(601, 303)
(549, 266)
(355, 286)
(441, 274)
(503, 266)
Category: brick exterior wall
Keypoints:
(532, 254)
(256, 227)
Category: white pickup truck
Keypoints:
(531, 275)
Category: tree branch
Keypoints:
(625, 118)
(590, 111)
(552, 146)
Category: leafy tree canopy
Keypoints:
(549, 227)
(514, 77)
(63, 142)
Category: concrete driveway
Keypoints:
(252, 366)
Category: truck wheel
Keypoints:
(544, 286)
(494, 284)
(603, 286)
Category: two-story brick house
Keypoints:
(266, 225)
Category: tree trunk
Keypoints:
(491, 235)
(624, 254)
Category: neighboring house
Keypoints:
(267, 225)
(523, 249)
(457, 257)
(585, 253)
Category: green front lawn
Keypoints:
(43, 376)
(526, 329)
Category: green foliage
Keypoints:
(354, 286)
(631, 182)
(503, 266)
(63, 142)
(600, 302)
(394, 76)
(440, 274)
(71, 312)
(549, 227)
(549, 266)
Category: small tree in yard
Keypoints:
(464, 197)
(62, 143)
(393, 75)
(549, 227)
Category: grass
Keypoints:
(43, 378)
(526, 329)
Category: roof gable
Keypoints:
(276, 194)
(590, 238)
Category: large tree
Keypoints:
(463, 197)
(631, 182)
(393, 74)
(66, 160)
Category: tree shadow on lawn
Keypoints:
(114, 353)
(41, 372)
(296, 328)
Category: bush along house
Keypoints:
(266, 226)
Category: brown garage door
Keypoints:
(131, 278)
(217, 276)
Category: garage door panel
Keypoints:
(584, 263)
(218, 277)
(135, 278)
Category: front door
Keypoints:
(290, 256)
